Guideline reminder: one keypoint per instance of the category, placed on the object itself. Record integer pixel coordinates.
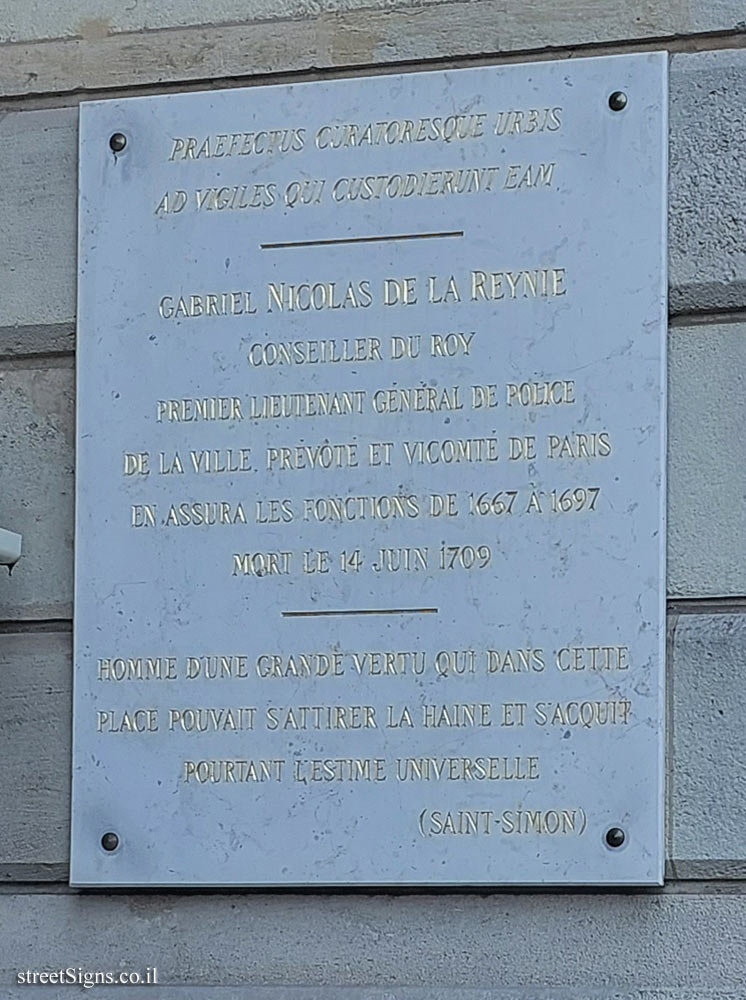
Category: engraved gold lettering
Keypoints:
(275, 406)
(585, 714)
(451, 451)
(136, 464)
(207, 513)
(547, 282)
(321, 456)
(261, 563)
(139, 720)
(420, 399)
(273, 511)
(301, 718)
(401, 559)
(315, 352)
(455, 662)
(526, 122)
(532, 175)
(514, 661)
(284, 297)
(271, 142)
(143, 515)
(344, 509)
(139, 668)
(388, 664)
(451, 345)
(585, 445)
(426, 183)
(340, 769)
(593, 658)
(457, 716)
(551, 821)
(447, 129)
(467, 768)
(299, 665)
(215, 772)
(211, 720)
(195, 410)
(216, 667)
(206, 304)
(541, 393)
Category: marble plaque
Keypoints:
(370, 580)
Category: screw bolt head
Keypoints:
(110, 842)
(615, 837)
(117, 142)
(618, 101)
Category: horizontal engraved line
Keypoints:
(361, 611)
(362, 239)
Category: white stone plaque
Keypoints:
(370, 582)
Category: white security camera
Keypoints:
(10, 548)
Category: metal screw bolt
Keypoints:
(617, 101)
(110, 842)
(117, 142)
(615, 837)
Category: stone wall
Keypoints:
(687, 940)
